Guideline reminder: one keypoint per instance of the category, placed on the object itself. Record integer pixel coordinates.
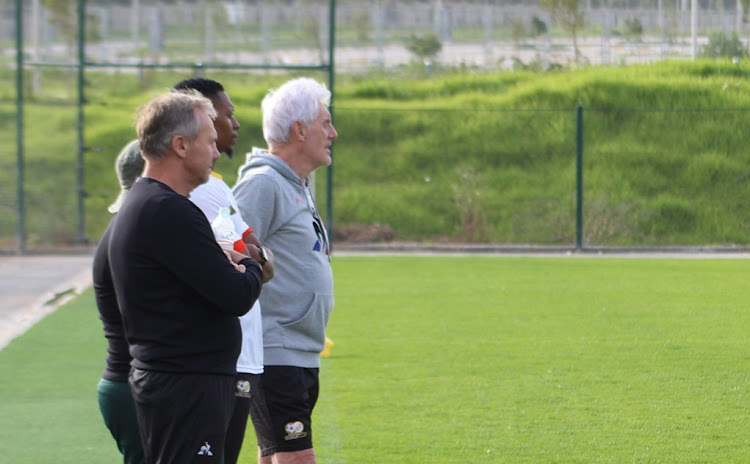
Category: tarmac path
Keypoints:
(33, 286)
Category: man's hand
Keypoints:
(268, 266)
(252, 241)
(235, 257)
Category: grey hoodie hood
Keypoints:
(259, 157)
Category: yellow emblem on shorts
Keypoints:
(242, 388)
(294, 430)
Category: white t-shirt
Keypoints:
(210, 198)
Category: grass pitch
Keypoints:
(465, 359)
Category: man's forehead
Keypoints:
(207, 124)
(222, 101)
(323, 113)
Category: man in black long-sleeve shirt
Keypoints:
(179, 295)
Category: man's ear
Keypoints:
(298, 131)
(178, 144)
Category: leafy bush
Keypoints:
(721, 44)
(424, 47)
(538, 27)
(633, 29)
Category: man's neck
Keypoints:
(168, 177)
(286, 154)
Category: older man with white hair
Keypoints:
(274, 188)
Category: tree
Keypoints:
(363, 26)
(64, 16)
(745, 19)
(633, 29)
(538, 27)
(570, 15)
(721, 44)
(425, 47)
(517, 30)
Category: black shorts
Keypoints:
(281, 409)
(183, 417)
(245, 387)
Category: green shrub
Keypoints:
(633, 28)
(424, 47)
(722, 44)
(538, 27)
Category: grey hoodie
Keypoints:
(297, 302)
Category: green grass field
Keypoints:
(465, 359)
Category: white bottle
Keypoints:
(224, 230)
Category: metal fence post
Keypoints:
(81, 235)
(331, 80)
(579, 177)
(19, 129)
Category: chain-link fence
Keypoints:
(133, 45)
(129, 48)
(644, 177)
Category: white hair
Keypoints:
(296, 100)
